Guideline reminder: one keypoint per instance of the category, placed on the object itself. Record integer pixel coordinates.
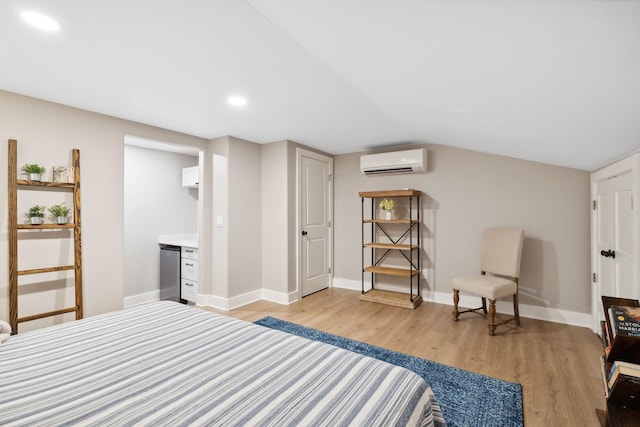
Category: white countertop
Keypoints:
(189, 240)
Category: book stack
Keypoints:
(630, 372)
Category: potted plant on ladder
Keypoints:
(60, 213)
(35, 216)
(34, 171)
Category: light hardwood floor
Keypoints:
(557, 365)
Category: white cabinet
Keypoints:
(190, 177)
(189, 274)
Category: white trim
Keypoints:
(280, 297)
(237, 301)
(529, 311)
(354, 285)
(156, 295)
(629, 164)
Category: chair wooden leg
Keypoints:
(492, 315)
(516, 312)
(484, 305)
(456, 298)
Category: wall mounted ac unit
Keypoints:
(407, 161)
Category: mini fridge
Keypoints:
(170, 271)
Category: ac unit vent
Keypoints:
(395, 162)
(388, 171)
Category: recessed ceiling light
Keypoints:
(40, 21)
(237, 101)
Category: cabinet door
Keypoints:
(189, 269)
(188, 290)
(190, 177)
(190, 253)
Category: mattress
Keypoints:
(164, 363)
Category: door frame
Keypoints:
(629, 164)
(300, 152)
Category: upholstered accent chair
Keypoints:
(500, 271)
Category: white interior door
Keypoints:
(314, 193)
(614, 244)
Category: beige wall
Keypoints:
(46, 133)
(466, 192)
(244, 222)
(231, 255)
(275, 218)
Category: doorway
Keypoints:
(615, 237)
(315, 239)
(155, 203)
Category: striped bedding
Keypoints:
(165, 364)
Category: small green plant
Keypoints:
(59, 210)
(33, 168)
(36, 211)
(387, 204)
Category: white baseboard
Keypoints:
(531, 311)
(156, 295)
(227, 304)
(354, 285)
(280, 297)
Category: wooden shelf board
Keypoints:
(396, 299)
(392, 271)
(44, 226)
(39, 184)
(390, 193)
(390, 246)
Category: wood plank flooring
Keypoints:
(557, 365)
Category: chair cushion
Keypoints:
(491, 287)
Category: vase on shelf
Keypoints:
(36, 220)
(387, 214)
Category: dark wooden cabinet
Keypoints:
(623, 396)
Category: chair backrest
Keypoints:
(501, 251)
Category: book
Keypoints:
(622, 368)
(625, 320)
(608, 302)
(603, 364)
(63, 174)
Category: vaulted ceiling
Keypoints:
(555, 81)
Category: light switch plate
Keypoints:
(219, 221)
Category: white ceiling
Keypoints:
(556, 81)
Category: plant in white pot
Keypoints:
(35, 216)
(34, 171)
(60, 213)
(387, 206)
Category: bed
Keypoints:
(164, 363)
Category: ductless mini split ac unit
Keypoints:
(406, 161)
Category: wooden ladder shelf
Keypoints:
(14, 185)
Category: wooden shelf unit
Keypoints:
(623, 397)
(410, 251)
(14, 186)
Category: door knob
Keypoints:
(304, 233)
(610, 253)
